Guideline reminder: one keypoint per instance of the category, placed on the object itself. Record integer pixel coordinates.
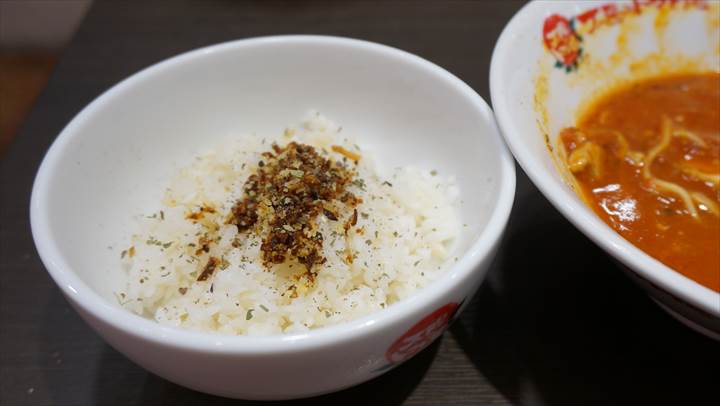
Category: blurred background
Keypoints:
(27, 54)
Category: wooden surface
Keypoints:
(555, 323)
(22, 76)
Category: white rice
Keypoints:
(407, 224)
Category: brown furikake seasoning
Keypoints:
(283, 198)
(209, 269)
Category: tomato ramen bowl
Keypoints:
(613, 111)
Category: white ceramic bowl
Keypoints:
(538, 89)
(113, 160)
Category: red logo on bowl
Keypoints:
(562, 41)
(563, 37)
(421, 334)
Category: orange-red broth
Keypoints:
(632, 191)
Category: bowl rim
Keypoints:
(92, 303)
(555, 191)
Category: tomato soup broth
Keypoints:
(646, 158)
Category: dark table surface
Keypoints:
(555, 322)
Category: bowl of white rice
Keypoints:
(277, 217)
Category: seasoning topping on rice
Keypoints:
(294, 185)
(256, 238)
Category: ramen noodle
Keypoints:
(646, 158)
